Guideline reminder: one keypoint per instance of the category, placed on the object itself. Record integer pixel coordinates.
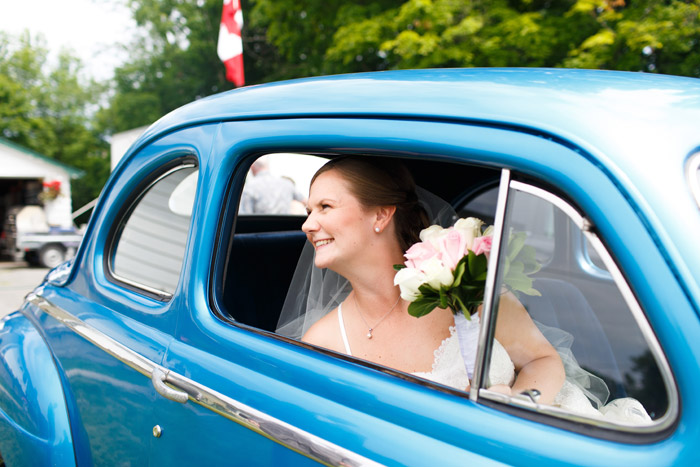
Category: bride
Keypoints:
(363, 214)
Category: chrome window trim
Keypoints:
(668, 418)
(276, 430)
(692, 172)
(113, 248)
(584, 261)
(483, 349)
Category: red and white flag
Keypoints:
(230, 47)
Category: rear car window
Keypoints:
(151, 244)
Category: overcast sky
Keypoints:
(91, 28)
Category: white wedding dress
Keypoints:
(449, 369)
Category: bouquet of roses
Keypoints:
(447, 268)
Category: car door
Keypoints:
(251, 397)
(110, 325)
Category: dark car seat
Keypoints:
(562, 305)
(261, 266)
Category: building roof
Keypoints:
(71, 171)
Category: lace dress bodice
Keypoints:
(449, 367)
(453, 365)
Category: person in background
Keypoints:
(265, 193)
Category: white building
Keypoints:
(23, 176)
(121, 142)
(300, 168)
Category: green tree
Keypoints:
(302, 33)
(173, 61)
(646, 35)
(332, 36)
(46, 107)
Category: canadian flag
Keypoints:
(230, 48)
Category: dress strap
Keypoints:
(341, 323)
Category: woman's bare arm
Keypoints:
(537, 363)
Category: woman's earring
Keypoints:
(376, 229)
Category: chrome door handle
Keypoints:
(158, 379)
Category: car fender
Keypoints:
(34, 422)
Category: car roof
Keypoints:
(586, 107)
(640, 128)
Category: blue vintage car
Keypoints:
(157, 343)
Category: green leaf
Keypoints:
(532, 292)
(529, 259)
(443, 298)
(398, 267)
(459, 272)
(429, 292)
(477, 264)
(481, 277)
(515, 244)
(518, 283)
(422, 307)
(463, 308)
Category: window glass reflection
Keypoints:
(610, 371)
(152, 243)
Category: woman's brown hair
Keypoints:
(378, 181)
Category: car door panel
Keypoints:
(376, 415)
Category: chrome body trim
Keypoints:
(692, 173)
(668, 418)
(489, 287)
(92, 335)
(276, 430)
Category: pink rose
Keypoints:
(482, 245)
(419, 253)
(453, 246)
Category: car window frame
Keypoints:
(235, 183)
(180, 163)
(692, 170)
(521, 406)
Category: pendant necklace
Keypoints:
(371, 328)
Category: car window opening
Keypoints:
(266, 247)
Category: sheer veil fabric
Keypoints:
(315, 292)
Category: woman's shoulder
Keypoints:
(326, 332)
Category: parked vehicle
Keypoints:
(156, 344)
(27, 236)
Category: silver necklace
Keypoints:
(371, 328)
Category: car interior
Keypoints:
(264, 249)
(278, 239)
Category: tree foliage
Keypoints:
(173, 61)
(47, 108)
(643, 35)
(173, 57)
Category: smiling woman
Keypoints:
(364, 211)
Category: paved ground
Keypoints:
(16, 280)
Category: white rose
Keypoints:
(470, 228)
(437, 274)
(409, 280)
(432, 234)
